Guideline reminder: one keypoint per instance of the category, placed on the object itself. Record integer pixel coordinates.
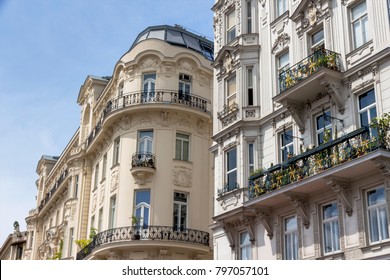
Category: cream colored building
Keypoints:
(14, 246)
(138, 169)
(299, 174)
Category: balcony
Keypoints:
(346, 157)
(53, 190)
(167, 98)
(312, 77)
(139, 234)
(142, 166)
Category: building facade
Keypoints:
(299, 171)
(14, 246)
(135, 180)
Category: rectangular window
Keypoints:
(31, 239)
(115, 158)
(145, 142)
(286, 144)
(324, 127)
(251, 158)
(92, 222)
(180, 211)
(184, 86)
(182, 146)
(230, 26)
(142, 206)
(291, 238)
(104, 169)
(281, 7)
(100, 221)
(330, 228)
(359, 22)
(282, 64)
(76, 186)
(231, 92)
(120, 90)
(317, 40)
(367, 110)
(249, 80)
(231, 168)
(148, 86)
(377, 215)
(112, 218)
(249, 16)
(245, 246)
(96, 180)
(70, 244)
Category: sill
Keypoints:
(114, 166)
(182, 160)
(332, 256)
(286, 14)
(358, 49)
(378, 246)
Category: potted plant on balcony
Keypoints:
(135, 221)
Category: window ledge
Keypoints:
(376, 246)
(114, 166)
(332, 256)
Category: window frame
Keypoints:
(185, 85)
(284, 156)
(233, 170)
(113, 211)
(230, 30)
(320, 44)
(180, 205)
(321, 130)
(294, 233)
(96, 177)
(120, 89)
(281, 67)
(231, 98)
(145, 140)
(377, 206)
(251, 157)
(76, 186)
(70, 241)
(249, 17)
(367, 110)
(278, 11)
(245, 245)
(364, 33)
(142, 206)
(249, 86)
(104, 166)
(181, 155)
(100, 220)
(331, 221)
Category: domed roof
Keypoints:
(177, 35)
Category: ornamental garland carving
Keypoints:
(101, 195)
(149, 63)
(185, 64)
(182, 177)
(280, 43)
(114, 180)
(70, 210)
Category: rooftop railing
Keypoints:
(143, 232)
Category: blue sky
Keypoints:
(47, 49)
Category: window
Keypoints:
(231, 91)
(367, 110)
(96, 181)
(290, 238)
(149, 87)
(245, 246)
(324, 127)
(57, 217)
(184, 86)
(112, 218)
(359, 22)
(231, 168)
(317, 40)
(377, 215)
(182, 146)
(19, 252)
(230, 26)
(92, 222)
(249, 81)
(115, 157)
(76, 186)
(70, 244)
(286, 144)
(180, 210)
(251, 160)
(281, 7)
(142, 206)
(145, 141)
(120, 90)
(31, 239)
(330, 227)
(104, 169)
(249, 17)
(282, 64)
(100, 221)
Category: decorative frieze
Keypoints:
(182, 177)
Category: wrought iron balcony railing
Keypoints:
(308, 66)
(346, 148)
(156, 97)
(228, 188)
(135, 233)
(143, 160)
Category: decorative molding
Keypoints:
(300, 204)
(249, 226)
(264, 217)
(384, 165)
(343, 192)
(114, 182)
(165, 118)
(182, 177)
(336, 92)
(263, 2)
(280, 43)
(296, 112)
(229, 231)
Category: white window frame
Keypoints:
(145, 142)
(282, 65)
(288, 147)
(334, 225)
(180, 205)
(148, 86)
(70, 241)
(290, 240)
(120, 89)
(363, 32)
(249, 86)
(367, 109)
(379, 208)
(76, 186)
(321, 43)
(230, 25)
(185, 85)
(142, 206)
(249, 17)
(104, 167)
(100, 220)
(245, 246)
(234, 169)
(96, 179)
(321, 130)
(180, 141)
(112, 216)
(251, 157)
(231, 97)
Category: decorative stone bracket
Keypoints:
(343, 192)
(248, 222)
(300, 204)
(336, 92)
(296, 111)
(264, 217)
(229, 231)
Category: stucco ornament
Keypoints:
(228, 62)
(280, 43)
(312, 13)
(149, 63)
(182, 177)
(114, 180)
(186, 65)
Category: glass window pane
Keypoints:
(290, 223)
(231, 159)
(383, 223)
(157, 34)
(174, 37)
(373, 221)
(192, 42)
(359, 10)
(376, 196)
(185, 150)
(318, 37)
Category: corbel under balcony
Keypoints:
(249, 222)
(264, 217)
(300, 204)
(343, 192)
(229, 231)
(296, 111)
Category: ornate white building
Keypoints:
(299, 171)
(135, 180)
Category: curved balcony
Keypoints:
(142, 166)
(165, 97)
(346, 157)
(142, 233)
